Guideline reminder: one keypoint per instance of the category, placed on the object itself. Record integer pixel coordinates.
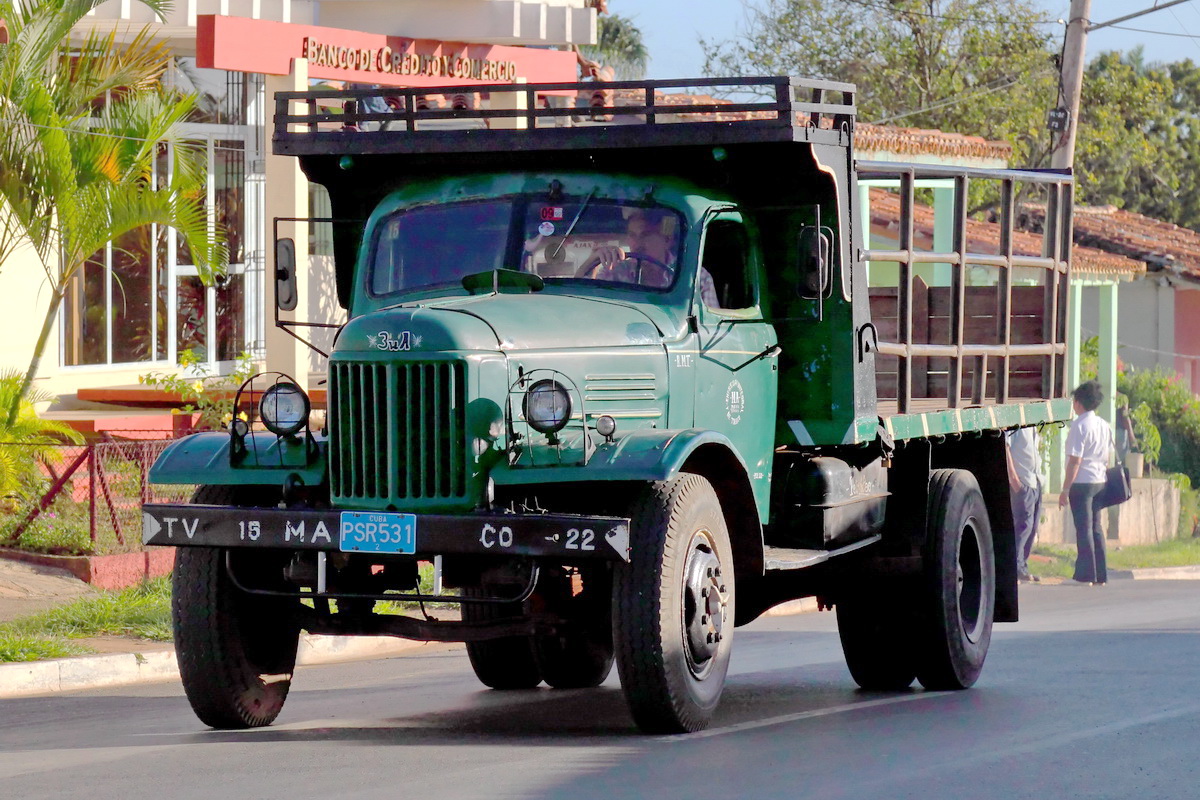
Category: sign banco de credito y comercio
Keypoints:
(241, 44)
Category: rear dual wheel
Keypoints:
(580, 656)
(938, 628)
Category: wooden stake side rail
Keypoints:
(989, 355)
(794, 103)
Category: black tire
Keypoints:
(959, 593)
(581, 657)
(674, 607)
(507, 663)
(236, 651)
(877, 641)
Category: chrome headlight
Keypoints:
(284, 408)
(547, 406)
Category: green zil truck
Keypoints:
(630, 376)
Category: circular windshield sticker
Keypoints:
(546, 229)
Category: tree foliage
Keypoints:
(1137, 146)
(982, 67)
(990, 69)
(83, 122)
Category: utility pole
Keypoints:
(1074, 48)
(1065, 118)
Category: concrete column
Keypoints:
(286, 196)
(864, 221)
(943, 232)
(512, 101)
(1164, 324)
(1058, 442)
(1107, 372)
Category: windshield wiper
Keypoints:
(574, 222)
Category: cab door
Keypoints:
(736, 368)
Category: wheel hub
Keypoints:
(705, 601)
(970, 584)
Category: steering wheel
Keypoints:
(642, 259)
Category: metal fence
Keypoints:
(82, 498)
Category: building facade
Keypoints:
(140, 304)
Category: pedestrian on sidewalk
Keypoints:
(1025, 481)
(1089, 445)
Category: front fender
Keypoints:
(203, 458)
(649, 454)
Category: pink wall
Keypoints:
(1187, 335)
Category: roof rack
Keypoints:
(560, 115)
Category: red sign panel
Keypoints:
(254, 45)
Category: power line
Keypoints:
(1157, 33)
(1190, 356)
(961, 98)
(1142, 13)
(953, 18)
(1181, 25)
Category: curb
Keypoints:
(805, 605)
(93, 672)
(1191, 573)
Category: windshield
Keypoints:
(583, 239)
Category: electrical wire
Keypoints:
(961, 98)
(1189, 356)
(1156, 33)
(951, 17)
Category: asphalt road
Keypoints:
(1095, 694)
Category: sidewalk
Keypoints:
(26, 589)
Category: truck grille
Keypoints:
(397, 431)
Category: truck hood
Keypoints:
(508, 322)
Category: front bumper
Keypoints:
(564, 537)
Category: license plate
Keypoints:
(377, 532)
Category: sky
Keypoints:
(673, 28)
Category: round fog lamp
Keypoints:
(547, 406)
(606, 426)
(284, 409)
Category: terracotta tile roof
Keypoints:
(984, 237)
(1160, 245)
(877, 138)
(919, 141)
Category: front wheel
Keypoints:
(505, 663)
(580, 656)
(958, 596)
(673, 607)
(236, 651)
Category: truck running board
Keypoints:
(780, 558)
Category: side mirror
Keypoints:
(813, 269)
(285, 275)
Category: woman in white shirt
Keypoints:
(1089, 445)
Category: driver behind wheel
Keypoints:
(649, 259)
(647, 234)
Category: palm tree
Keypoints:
(619, 45)
(82, 123)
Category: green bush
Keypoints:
(1149, 440)
(207, 395)
(28, 443)
(1174, 410)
